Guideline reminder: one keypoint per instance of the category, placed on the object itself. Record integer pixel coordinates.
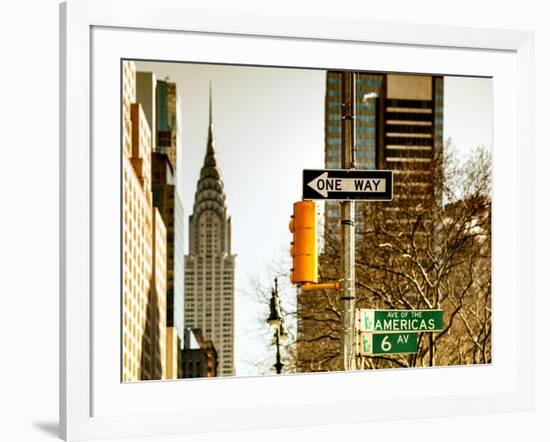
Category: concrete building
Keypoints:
(198, 356)
(128, 97)
(153, 356)
(146, 83)
(137, 256)
(166, 199)
(159, 101)
(166, 104)
(142, 242)
(210, 265)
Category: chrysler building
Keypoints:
(210, 265)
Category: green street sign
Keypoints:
(394, 321)
(387, 343)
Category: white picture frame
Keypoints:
(93, 405)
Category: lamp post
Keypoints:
(276, 321)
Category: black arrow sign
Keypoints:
(347, 184)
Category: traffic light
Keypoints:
(303, 225)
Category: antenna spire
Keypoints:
(210, 143)
(210, 104)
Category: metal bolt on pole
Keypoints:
(347, 216)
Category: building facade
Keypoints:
(198, 356)
(166, 199)
(143, 244)
(159, 102)
(153, 356)
(152, 229)
(166, 105)
(210, 265)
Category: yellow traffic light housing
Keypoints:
(303, 250)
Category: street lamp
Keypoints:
(276, 321)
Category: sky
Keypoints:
(268, 126)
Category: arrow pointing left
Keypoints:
(315, 184)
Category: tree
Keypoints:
(430, 248)
(260, 355)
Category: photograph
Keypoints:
(282, 220)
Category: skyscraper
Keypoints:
(198, 357)
(153, 353)
(143, 242)
(166, 199)
(166, 103)
(210, 265)
(399, 126)
(159, 102)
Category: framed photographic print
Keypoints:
(324, 219)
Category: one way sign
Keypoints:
(347, 184)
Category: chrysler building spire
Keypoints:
(210, 197)
(210, 144)
(210, 266)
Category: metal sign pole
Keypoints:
(347, 216)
